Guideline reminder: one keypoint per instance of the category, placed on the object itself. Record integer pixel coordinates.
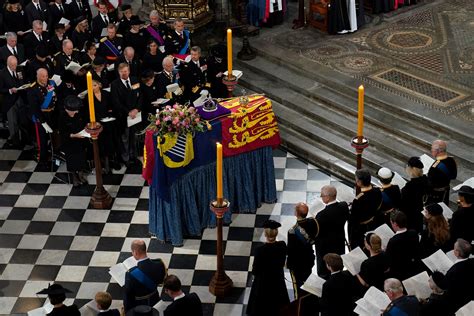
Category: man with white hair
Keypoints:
(12, 48)
(128, 57)
(35, 38)
(10, 80)
(65, 57)
(166, 77)
(441, 172)
(157, 29)
(401, 304)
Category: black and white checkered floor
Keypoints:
(47, 234)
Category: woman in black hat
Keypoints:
(56, 295)
(413, 194)
(73, 143)
(268, 294)
(216, 66)
(436, 235)
(81, 33)
(153, 57)
(461, 222)
(99, 73)
(437, 304)
(134, 37)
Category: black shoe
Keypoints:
(115, 165)
(82, 178)
(76, 181)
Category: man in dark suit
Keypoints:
(38, 10)
(339, 291)
(193, 75)
(183, 304)
(331, 220)
(141, 282)
(126, 99)
(128, 57)
(365, 211)
(403, 248)
(59, 10)
(34, 38)
(10, 80)
(79, 9)
(101, 20)
(461, 222)
(301, 238)
(11, 48)
(400, 304)
(441, 172)
(460, 276)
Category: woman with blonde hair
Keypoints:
(373, 270)
(14, 18)
(436, 235)
(268, 294)
(413, 194)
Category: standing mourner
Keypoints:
(301, 238)
(441, 172)
(268, 294)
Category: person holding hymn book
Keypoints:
(413, 194)
(436, 304)
(436, 234)
(403, 249)
(103, 301)
(339, 291)
(183, 304)
(406, 305)
(268, 294)
(373, 270)
(57, 295)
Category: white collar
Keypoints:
(125, 81)
(179, 296)
(10, 48)
(179, 33)
(332, 202)
(58, 4)
(401, 231)
(11, 71)
(460, 260)
(145, 257)
(37, 35)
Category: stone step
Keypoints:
(340, 92)
(320, 98)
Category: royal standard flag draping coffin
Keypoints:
(250, 127)
(176, 155)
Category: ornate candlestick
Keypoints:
(220, 284)
(359, 143)
(100, 199)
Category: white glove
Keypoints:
(188, 58)
(178, 91)
(162, 49)
(47, 128)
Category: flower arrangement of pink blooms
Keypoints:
(176, 119)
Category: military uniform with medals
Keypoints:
(193, 76)
(42, 112)
(61, 61)
(174, 43)
(164, 79)
(108, 51)
(440, 174)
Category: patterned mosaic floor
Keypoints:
(47, 234)
(424, 52)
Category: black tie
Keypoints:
(40, 38)
(38, 7)
(106, 20)
(80, 5)
(128, 85)
(15, 52)
(14, 75)
(61, 8)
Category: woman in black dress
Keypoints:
(413, 194)
(436, 234)
(14, 19)
(391, 195)
(81, 34)
(268, 294)
(372, 270)
(149, 92)
(153, 58)
(89, 54)
(108, 142)
(57, 295)
(134, 37)
(99, 73)
(73, 143)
